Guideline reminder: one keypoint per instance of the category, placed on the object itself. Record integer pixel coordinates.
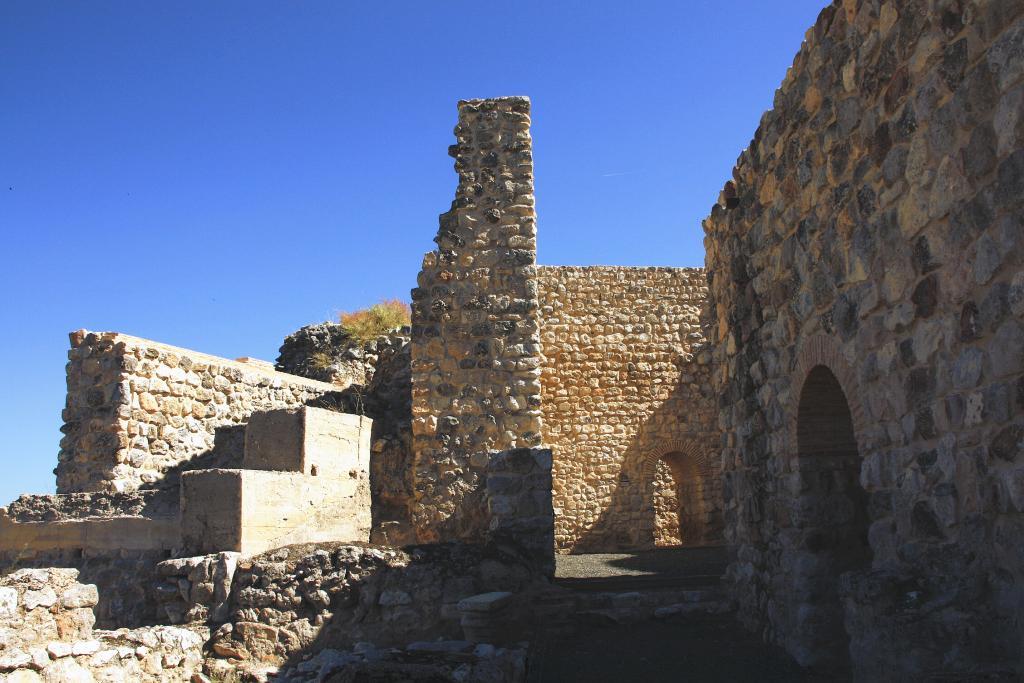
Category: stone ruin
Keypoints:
(837, 398)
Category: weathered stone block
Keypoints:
(313, 441)
(250, 511)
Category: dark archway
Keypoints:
(833, 505)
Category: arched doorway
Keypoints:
(833, 510)
(676, 482)
(686, 499)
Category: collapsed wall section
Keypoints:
(137, 411)
(475, 342)
(865, 268)
(626, 392)
(46, 619)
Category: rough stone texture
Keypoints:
(46, 634)
(67, 506)
(139, 412)
(302, 599)
(124, 579)
(421, 661)
(864, 267)
(517, 496)
(475, 339)
(195, 589)
(626, 385)
(327, 353)
(388, 401)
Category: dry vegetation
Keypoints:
(379, 319)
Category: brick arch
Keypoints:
(822, 349)
(688, 447)
(695, 452)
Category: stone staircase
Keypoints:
(627, 588)
(304, 478)
(657, 616)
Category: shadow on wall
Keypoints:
(125, 578)
(228, 449)
(628, 521)
(388, 597)
(390, 462)
(311, 597)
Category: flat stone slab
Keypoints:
(442, 646)
(485, 602)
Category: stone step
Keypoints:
(638, 582)
(648, 598)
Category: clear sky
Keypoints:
(216, 175)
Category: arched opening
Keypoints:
(833, 510)
(685, 508)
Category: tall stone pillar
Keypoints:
(475, 334)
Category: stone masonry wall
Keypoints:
(475, 342)
(46, 634)
(871, 239)
(626, 381)
(303, 598)
(517, 496)
(138, 411)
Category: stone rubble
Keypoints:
(289, 600)
(59, 507)
(46, 634)
(325, 352)
(457, 661)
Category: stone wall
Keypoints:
(113, 540)
(626, 385)
(194, 589)
(327, 353)
(117, 554)
(301, 599)
(138, 412)
(475, 342)
(46, 634)
(518, 502)
(865, 269)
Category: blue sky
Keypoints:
(216, 175)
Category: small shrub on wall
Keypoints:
(381, 318)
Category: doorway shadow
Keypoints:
(628, 521)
